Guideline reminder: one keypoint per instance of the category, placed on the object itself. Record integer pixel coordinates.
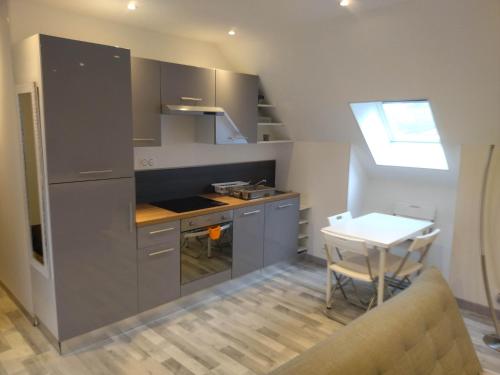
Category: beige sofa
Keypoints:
(419, 332)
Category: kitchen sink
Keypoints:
(250, 192)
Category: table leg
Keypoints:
(381, 276)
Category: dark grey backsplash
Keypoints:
(164, 184)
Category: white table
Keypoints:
(382, 232)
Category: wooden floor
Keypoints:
(248, 332)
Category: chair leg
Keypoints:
(328, 288)
(374, 297)
(339, 285)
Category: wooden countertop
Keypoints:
(147, 214)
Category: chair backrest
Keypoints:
(422, 243)
(345, 243)
(415, 211)
(339, 217)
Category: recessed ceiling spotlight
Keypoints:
(132, 5)
(344, 3)
(232, 32)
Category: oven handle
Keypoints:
(204, 232)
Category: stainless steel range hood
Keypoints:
(193, 110)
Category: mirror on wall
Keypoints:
(33, 176)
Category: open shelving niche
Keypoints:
(269, 123)
(303, 237)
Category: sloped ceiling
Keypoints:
(315, 57)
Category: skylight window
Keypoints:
(401, 134)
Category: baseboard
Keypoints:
(19, 305)
(476, 308)
(314, 259)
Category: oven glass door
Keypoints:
(202, 256)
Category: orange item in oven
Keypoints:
(214, 233)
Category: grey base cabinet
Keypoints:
(159, 272)
(94, 254)
(248, 240)
(281, 231)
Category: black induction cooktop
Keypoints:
(188, 204)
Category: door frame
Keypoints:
(46, 268)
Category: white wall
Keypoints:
(466, 272)
(446, 50)
(14, 240)
(358, 185)
(319, 171)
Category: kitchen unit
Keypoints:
(224, 102)
(95, 263)
(81, 106)
(253, 234)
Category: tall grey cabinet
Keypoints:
(94, 253)
(87, 109)
(87, 159)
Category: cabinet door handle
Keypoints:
(285, 206)
(144, 139)
(161, 252)
(161, 231)
(191, 99)
(97, 172)
(251, 213)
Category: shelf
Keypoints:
(277, 141)
(303, 222)
(302, 249)
(270, 124)
(303, 236)
(265, 106)
(304, 207)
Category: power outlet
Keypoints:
(147, 162)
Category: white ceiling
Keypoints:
(209, 20)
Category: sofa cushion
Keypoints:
(418, 332)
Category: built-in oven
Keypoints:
(206, 251)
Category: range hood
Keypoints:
(195, 110)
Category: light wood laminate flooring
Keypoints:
(251, 331)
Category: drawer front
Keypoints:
(159, 276)
(205, 220)
(157, 234)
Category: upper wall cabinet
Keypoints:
(146, 101)
(87, 109)
(187, 85)
(237, 93)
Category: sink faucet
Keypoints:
(263, 181)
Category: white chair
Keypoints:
(339, 217)
(361, 265)
(401, 275)
(415, 211)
